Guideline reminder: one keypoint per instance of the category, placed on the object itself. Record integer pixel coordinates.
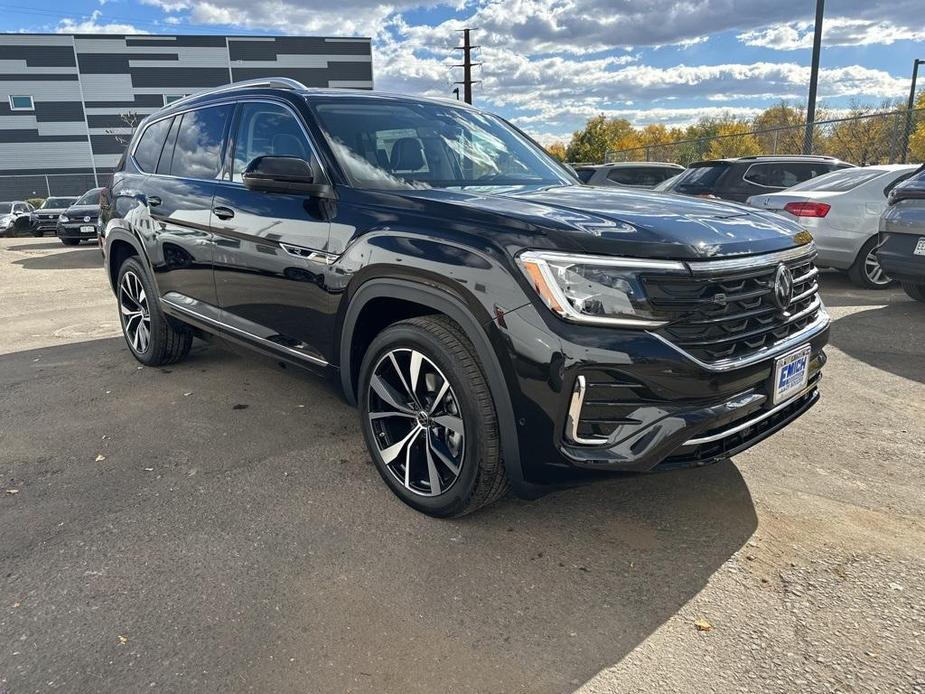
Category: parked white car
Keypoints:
(842, 210)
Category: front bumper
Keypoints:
(44, 225)
(73, 230)
(629, 401)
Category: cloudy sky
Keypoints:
(550, 64)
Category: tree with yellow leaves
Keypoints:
(733, 139)
(917, 138)
(556, 150)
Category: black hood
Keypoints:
(616, 221)
(83, 211)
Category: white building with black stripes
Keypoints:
(63, 96)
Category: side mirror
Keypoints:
(277, 174)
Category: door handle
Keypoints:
(153, 201)
(223, 212)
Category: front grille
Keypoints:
(728, 312)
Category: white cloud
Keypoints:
(837, 31)
(93, 25)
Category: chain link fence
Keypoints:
(875, 138)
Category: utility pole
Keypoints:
(467, 65)
(911, 105)
(813, 79)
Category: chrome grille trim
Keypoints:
(701, 267)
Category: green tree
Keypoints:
(599, 136)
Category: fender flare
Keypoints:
(452, 307)
(118, 233)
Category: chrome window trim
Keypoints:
(261, 340)
(699, 267)
(226, 102)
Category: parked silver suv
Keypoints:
(902, 235)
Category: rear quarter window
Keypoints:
(148, 149)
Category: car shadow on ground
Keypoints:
(79, 258)
(838, 290)
(890, 337)
(223, 517)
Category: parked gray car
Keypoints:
(902, 235)
(634, 174)
(45, 218)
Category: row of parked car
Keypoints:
(839, 203)
(71, 218)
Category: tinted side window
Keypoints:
(149, 146)
(266, 129)
(198, 152)
(641, 176)
(163, 166)
(784, 174)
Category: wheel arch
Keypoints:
(120, 245)
(427, 299)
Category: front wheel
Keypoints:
(916, 291)
(70, 242)
(429, 419)
(152, 336)
(866, 271)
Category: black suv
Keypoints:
(741, 177)
(497, 323)
(901, 249)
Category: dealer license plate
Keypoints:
(920, 246)
(87, 228)
(791, 374)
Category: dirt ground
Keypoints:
(217, 526)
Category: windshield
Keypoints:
(699, 177)
(419, 145)
(584, 175)
(91, 197)
(667, 184)
(57, 203)
(6, 207)
(839, 181)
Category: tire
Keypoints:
(444, 355)
(153, 337)
(70, 242)
(916, 291)
(866, 272)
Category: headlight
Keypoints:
(595, 289)
(6, 220)
(63, 218)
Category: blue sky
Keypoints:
(550, 64)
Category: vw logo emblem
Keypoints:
(86, 219)
(782, 290)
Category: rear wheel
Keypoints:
(153, 337)
(429, 419)
(916, 291)
(866, 271)
(70, 242)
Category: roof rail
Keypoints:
(785, 156)
(266, 82)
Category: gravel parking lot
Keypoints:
(217, 526)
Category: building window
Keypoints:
(21, 103)
(170, 98)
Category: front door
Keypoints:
(270, 258)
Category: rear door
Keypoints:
(179, 199)
(270, 248)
